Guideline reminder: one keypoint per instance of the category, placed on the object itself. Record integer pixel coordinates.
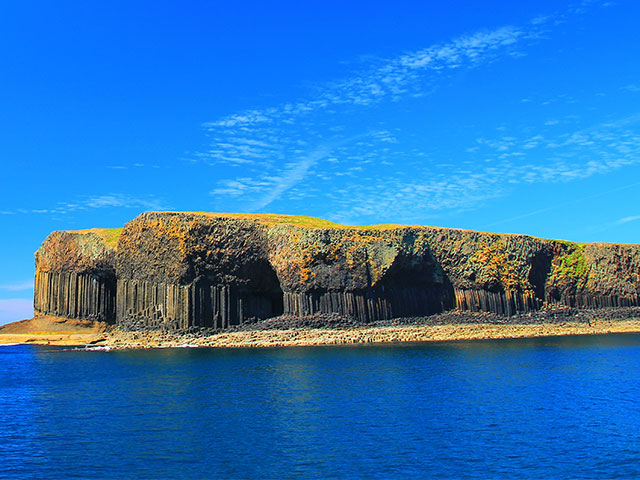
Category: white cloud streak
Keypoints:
(631, 88)
(498, 166)
(282, 150)
(112, 200)
(393, 78)
(633, 218)
(278, 146)
(577, 201)
(17, 286)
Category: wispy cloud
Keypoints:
(120, 201)
(291, 175)
(17, 286)
(393, 78)
(278, 147)
(631, 88)
(567, 156)
(112, 200)
(336, 147)
(633, 218)
(576, 201)
(492, 170)
(269, 187)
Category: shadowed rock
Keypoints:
(181, 270)
(75, 275)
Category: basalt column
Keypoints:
(220, 306)
(371, 304)
(75, 277)
(595, 275)
(181, 270)
(75, 295)
(177, 271)
(500, 302)
(502, 274)
(369, 276)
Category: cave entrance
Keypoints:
(538, 273)
(414, 286)
(217, 304)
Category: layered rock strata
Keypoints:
(180, 270)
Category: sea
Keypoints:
(557, 407)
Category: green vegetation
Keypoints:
(109, 236)
(572, 264)
(497, 266)
(304, 221)
(296, 220)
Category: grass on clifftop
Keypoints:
(109, 236)
(297, 220)
(304, 221)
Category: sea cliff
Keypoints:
(177, 271)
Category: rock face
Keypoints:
(75, 275)
(179, 270)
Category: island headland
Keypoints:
(175, 274)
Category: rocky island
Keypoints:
(241, 279)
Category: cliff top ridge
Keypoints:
(110, 236)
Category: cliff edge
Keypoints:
(179, 270)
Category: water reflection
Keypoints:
(532, 407)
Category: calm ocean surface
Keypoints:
(536, 408)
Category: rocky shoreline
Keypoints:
(335, 329)
(177, 271)
(330, 329)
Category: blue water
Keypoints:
(545, 408)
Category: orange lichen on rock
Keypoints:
(80, 250)
(176, 270)
(109, 236)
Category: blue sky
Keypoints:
(519, 117)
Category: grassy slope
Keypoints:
(300, 221)
(108, 235)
